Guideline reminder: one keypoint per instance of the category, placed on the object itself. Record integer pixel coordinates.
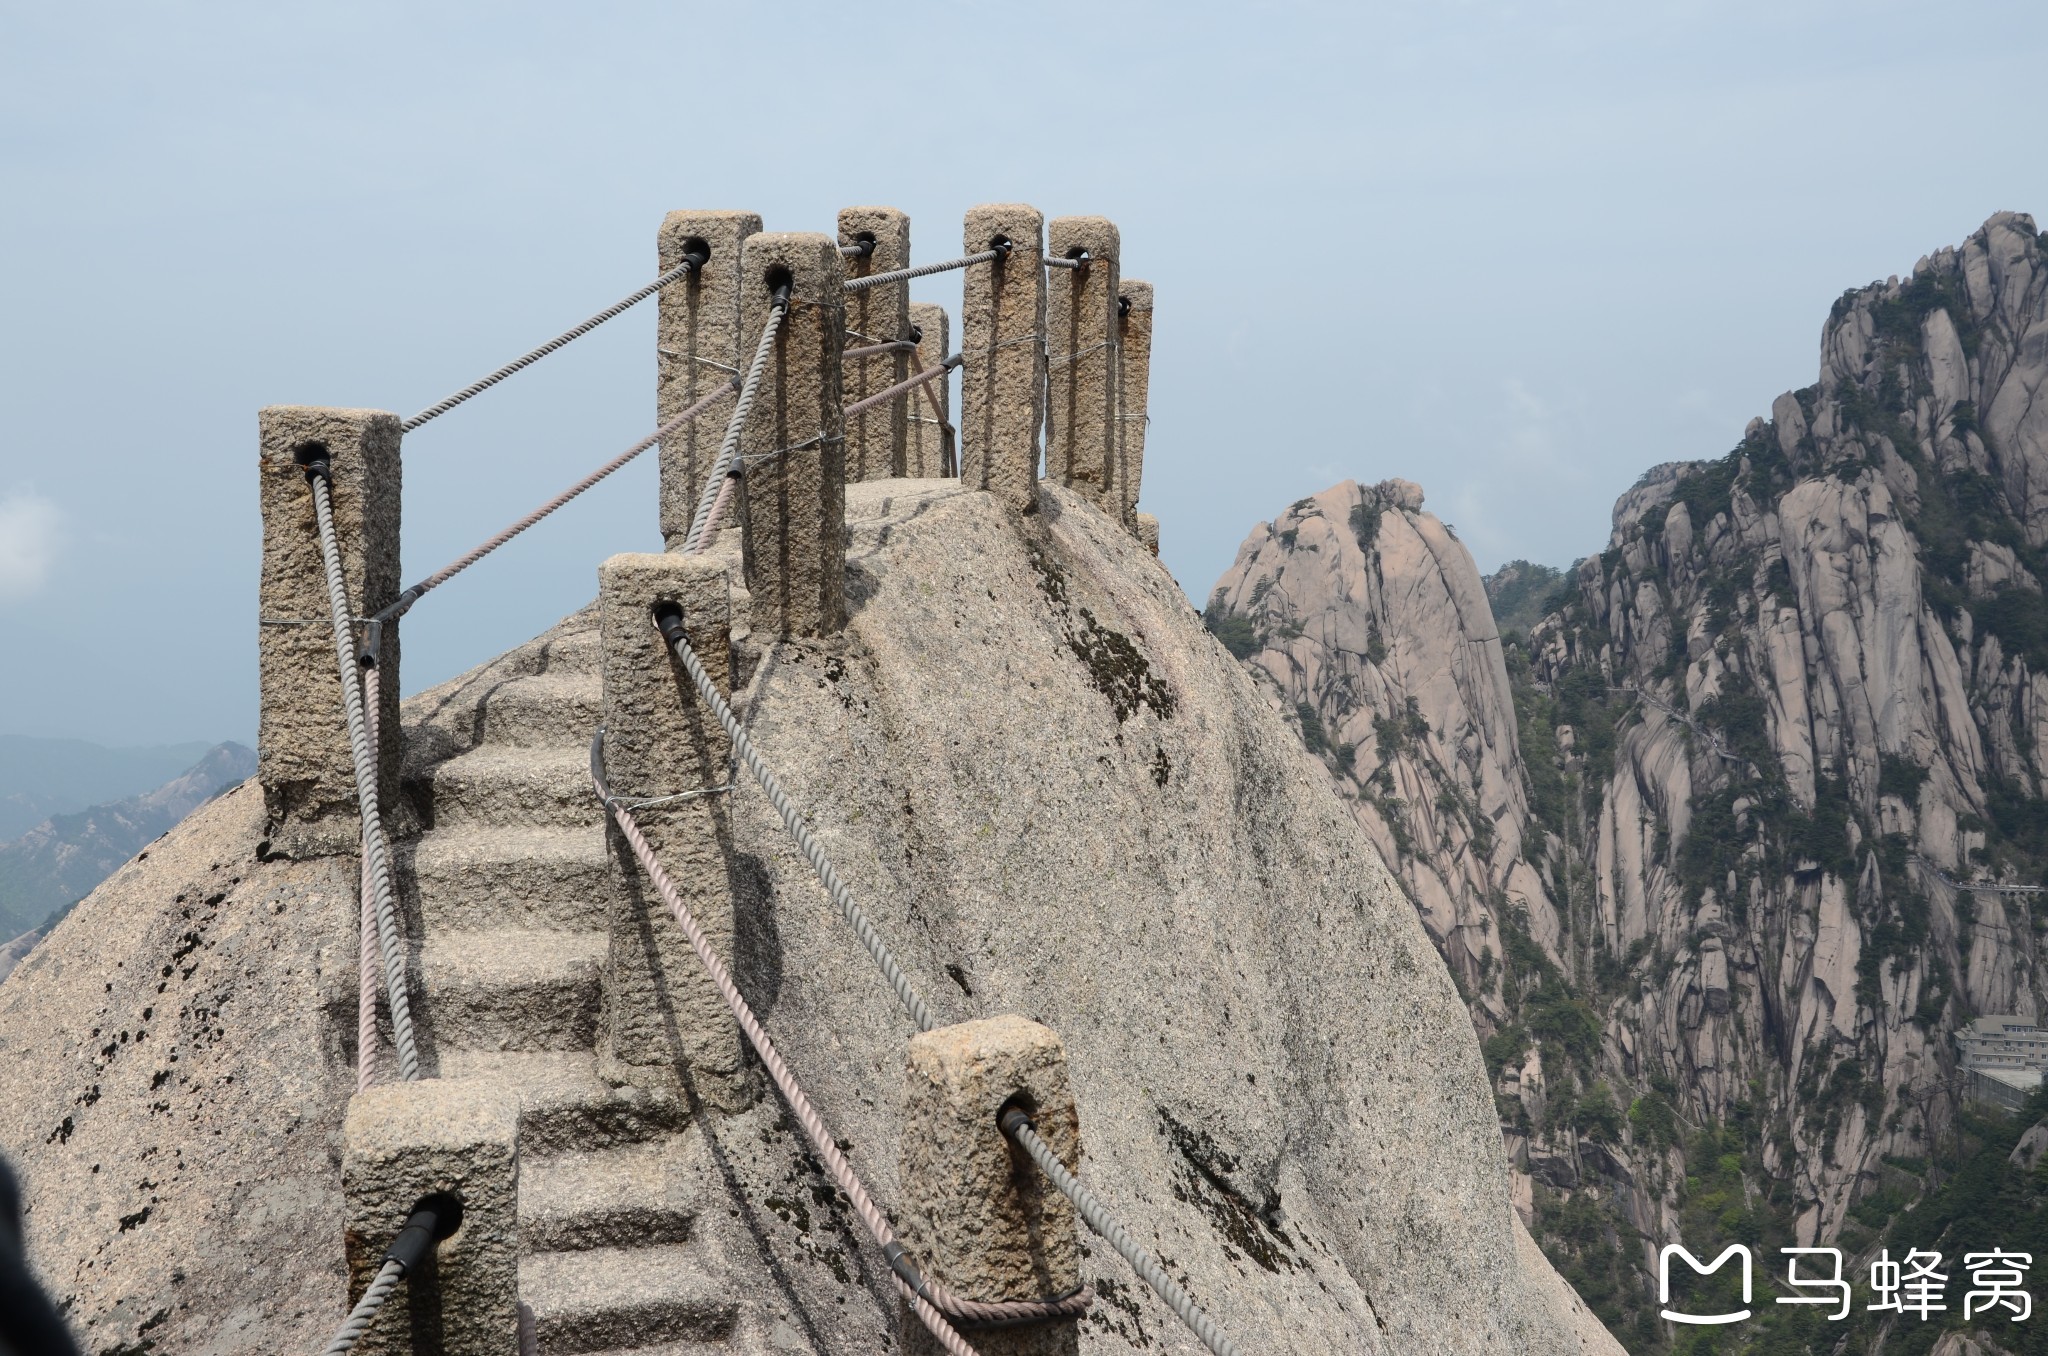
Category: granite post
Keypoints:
(401, 1143)
(1134, 388)
(662, 1018)
(793, 494)
(1081, 363)
(977, 1213)
(876, 438)
(303, 760)
(930, 451)
(1002, 345)
(698, 345)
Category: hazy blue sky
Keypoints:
(1516, 253)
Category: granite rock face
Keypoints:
(1758, 755)
(1058, 797)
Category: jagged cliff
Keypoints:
(1758, 740)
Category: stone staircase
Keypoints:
(506, 888)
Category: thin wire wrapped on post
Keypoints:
(921, 271)
(376, 855)
(1018, 1126)
(933, 1302)
(738, 422)
(403, 603)
(440, 408)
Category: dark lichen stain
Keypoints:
(62, 1134)
(135, 1220)
(1117, 666)
(1162, 767)
(959, 977)
(1205, 1182)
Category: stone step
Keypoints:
(498, 787)
(525, 877)
(511, 989)
(558, 707)
(575, 651)
(608, 1298)
(632, 1196)
(564, 1105)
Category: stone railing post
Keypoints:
(930, 450)
(401, 1143)
(793, 493)
(1080, 360)
(698, 344)
(1134, 388)
(303, 760)
(1002, 345)
(875, 438)
(978, 1214)
(662, 1019)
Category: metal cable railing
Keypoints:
(376, 855)
(691, 263)
(730, 446)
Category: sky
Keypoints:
(1516, 253)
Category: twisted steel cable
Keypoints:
(870, 350)
(376, 855)
(890, 392)
(405, 600)
(738, 423)
(358, 1321)
(813, 851)
(922, 270)
(1018, 1126)
(934, 1302)
(477, 388)
(366, 935)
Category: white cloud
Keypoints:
(30, 530)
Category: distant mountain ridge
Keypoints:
(42, 777)
(60, 860)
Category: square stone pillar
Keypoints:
(405, 1141)
(698, 344)
(793, 496)
(302, 748)
(1134, 389)
(661, 1015)
(1080, 359)
(876, 438)
(977, 1213)
(1002, 344)
(930, 452)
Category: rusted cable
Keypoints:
(921, 271)
(933, 1302)
(900, 387)
(405, 600)
(691, 262)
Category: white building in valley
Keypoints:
(2003, 1059)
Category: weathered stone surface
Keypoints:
(1147, 529)
(793, 499)
(1002, 346)
(1134, 391)
(877, 438)
(932, 451)
(698, 346)
(402, 1143)
(1081, 335)
(661, 1014)
(977, 1215)
(302, 743)
(1273, 1068)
